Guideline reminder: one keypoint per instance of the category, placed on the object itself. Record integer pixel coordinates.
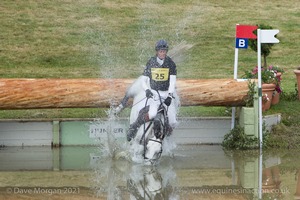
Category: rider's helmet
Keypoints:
(161, 45)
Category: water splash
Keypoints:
(136, 152)
(111, 65)
(115, 146)
(169, 145)
(109, 133)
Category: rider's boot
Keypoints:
(124, 101)
(142, 118)
(122, 105)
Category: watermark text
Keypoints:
(43, 190)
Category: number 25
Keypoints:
(159, 76)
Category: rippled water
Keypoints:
(193, 172)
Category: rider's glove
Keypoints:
(168, 101)
(149, 94)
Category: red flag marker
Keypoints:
(245, 31)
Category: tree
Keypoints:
(265, 47)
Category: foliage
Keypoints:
(285, 135)
(249, 100)
(291, 95)
(237, 139)
(277, 69)
(268, 75)
(265, 47)
(265, 98)
(279, 137)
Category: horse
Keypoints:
(148, 141)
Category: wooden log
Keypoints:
(213, 92)
(94, 93)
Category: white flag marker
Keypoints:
(263, 36)
(268, 36)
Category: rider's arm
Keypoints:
(172, 84)
(173, 73)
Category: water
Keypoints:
(193, 172)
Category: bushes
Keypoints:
(237, 139)
(281, 137)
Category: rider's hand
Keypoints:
(149, 94)
(168, 101)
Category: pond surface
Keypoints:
(192, 172)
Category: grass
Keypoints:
(114, 39)
(62, 39)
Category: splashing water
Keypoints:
(114, 145)
(111, 65)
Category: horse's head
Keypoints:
(153, 150)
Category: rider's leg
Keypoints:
(124, 101)
(145, 115)
(122, 105)
(142, 118)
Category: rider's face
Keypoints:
(161, 54)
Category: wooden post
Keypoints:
(94, 93)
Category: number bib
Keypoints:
(160, 74)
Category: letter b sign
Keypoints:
(241, 43)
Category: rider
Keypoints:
(160, 72)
